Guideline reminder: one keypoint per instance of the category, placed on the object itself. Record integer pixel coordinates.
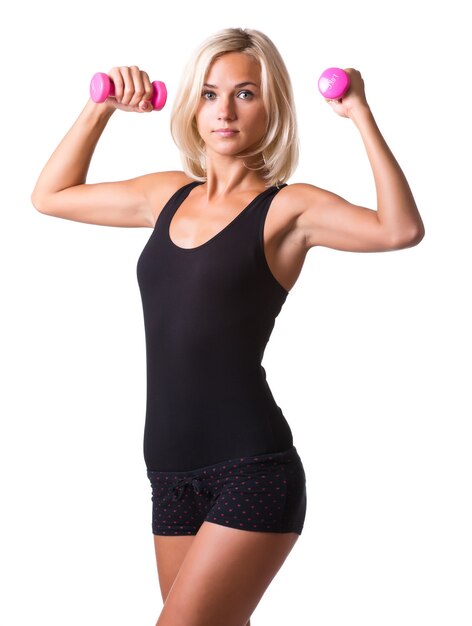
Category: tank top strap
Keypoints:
(256, 211)
(171, 206)
(257, 215)
(265, 200)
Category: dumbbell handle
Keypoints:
(102, 87)
(333, 83)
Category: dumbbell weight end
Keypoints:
(333, 83)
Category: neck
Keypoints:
(226, 175)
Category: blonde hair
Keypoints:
(279, 149)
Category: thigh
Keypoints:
(170, 553)
(179, 506)
(224, 575)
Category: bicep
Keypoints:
(326, 219)
(122, 203)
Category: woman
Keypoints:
(229, 240)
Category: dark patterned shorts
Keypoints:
(266, 492)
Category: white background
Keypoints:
(369, 358)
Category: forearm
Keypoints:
(396, 207)
(70, 161)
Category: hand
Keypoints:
(355, 97)
(133, 89)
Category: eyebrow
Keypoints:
(238, 85)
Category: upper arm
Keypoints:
(128, 203)
(326, 219)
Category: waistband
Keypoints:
(200, 479)
(285, 455)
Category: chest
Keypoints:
(196, 223)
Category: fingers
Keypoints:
(355, 77)
(133, 88)
(148, 89)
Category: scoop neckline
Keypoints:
(219, 233)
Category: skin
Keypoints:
(219, 575)
(301, 215)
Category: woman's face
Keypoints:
(232, 99)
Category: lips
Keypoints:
(226, 131)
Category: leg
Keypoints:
(224, 575)
(170, 553)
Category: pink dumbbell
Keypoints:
(101, 88)
(333, 83)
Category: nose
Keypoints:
(226, 109)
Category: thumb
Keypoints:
(145, 105)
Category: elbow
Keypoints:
(35, 201)
(38, 202)
(36, 206)
(408, 238)
(419, 236)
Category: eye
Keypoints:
(248, 94)
(208, 93)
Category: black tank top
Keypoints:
(208, 314)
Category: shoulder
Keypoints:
(295, 205)
(300, 199)
(302, 194)
(159, 187)
(294, 200)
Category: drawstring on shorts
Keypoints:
(197, 484)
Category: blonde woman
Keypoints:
(229, 240)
